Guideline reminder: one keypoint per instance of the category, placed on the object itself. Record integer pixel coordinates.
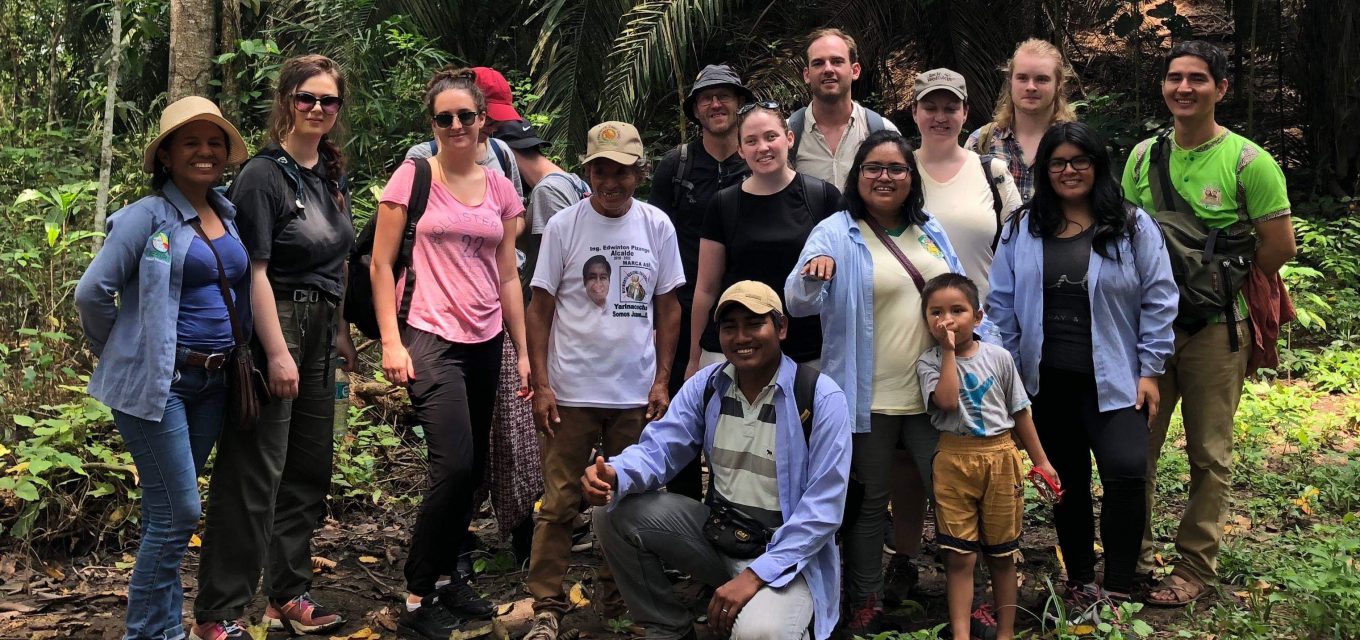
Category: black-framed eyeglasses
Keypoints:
(1079, 163)
(763, 104)
(303, 101)
(894, 171)
(445, 120)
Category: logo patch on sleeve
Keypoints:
(158, 248)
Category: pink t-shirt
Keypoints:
(458, 293)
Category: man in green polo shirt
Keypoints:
(1224, 178)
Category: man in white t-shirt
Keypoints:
(600, 372)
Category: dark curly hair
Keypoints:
(913, 208)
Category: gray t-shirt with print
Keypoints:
(990, 391)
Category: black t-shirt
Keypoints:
(763, 236)
(686, 206)
(306, 248)
(1067, 303)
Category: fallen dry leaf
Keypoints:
(368, 559)
(320, 564)
(362, 634)
(577, 596)
(195, 541)
(54, 572)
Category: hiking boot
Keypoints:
(545, 627)
(458, 597)
(301, 615)
(219, 630)
(433, 621)
(865, 619)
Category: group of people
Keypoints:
(825, 316)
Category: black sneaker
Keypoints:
(431, 621)
(459, 599)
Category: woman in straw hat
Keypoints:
(269, 485)
(153, 312)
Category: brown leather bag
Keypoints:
(247, 391)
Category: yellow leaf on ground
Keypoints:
(195, 541)
(577, 595)
(368, 559)
(1082, 630)
(18, 468)
(362, 634)
(54, 572)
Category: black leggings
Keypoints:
(1071, 427)
(453, 394)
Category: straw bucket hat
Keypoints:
(189, 109)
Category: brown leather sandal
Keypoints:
(1182, 587)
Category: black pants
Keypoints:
(453, 395)
(1071, 427)
(269, 484)
(690, 479)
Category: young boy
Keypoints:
(974, 395)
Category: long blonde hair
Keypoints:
(1004, 116)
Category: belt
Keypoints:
(302, 295)
(209, 361)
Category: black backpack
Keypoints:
(279, 158)
(686, 163)
(359, 309)
(804, 392)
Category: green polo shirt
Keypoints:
(1216, 178)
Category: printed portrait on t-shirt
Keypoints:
(635, 285)
(595, 278)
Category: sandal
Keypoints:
(1184, 589)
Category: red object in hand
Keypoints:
(1048, 487)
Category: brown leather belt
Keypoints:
(209, 361)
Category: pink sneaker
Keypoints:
(219, 630)
(301, 615)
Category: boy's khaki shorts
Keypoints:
(979, 494)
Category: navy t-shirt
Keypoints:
(203, 323)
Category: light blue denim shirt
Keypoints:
(846, 304)
(128, 299)
(812, 477)
(1133, 302)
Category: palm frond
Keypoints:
(568, 63)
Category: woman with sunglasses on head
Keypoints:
(1083, 295)
(447, 349)
(869, 301)
(754, 231)
(269, 483)
(154, 311)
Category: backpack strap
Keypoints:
(681, 178)
(415, 208)
(873, 120)
(984, 141)
(804, 392)
(992, 182)
(500, 156)
(434, 148)
(1164, 194)
(814, 195)
(796, 123)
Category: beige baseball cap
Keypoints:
(756, 296)
(189, 109)
(617, 141)
(941, 78)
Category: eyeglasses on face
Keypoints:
(763, 104)
(1079, 163)
(895, 171)
(303, 101)
(445, 120)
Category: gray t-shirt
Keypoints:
(427, 149)
(990, 391)
(555, 192)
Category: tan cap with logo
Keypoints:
(617, 141)
(941, 78)
(756, 296)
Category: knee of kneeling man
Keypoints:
(758, 625)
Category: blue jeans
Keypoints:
(169, 455)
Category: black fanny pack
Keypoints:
(734, 533)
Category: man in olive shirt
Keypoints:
(1223, 177)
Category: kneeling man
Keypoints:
(777, 437)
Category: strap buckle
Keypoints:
(306, 295)
(215, 361)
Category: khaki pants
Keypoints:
(1207, 380)
(565, 458)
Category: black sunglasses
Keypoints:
(763, 104)
(303, 101)
(445, 120)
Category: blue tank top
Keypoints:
(203, 321)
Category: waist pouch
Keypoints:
(734, 533)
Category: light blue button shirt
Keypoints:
(846, 304)
(128, 299)
(1133, 303)
(812, 477)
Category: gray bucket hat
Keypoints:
(711, 76)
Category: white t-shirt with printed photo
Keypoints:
(605, 273)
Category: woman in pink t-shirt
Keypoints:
(448, 348)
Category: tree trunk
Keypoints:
(230, 99)
(110, 100)
(53, 55)
(1328, 63)
(193, 34)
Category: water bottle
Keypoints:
(341, 399)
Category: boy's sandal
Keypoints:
(1183, 589)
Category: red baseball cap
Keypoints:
(500, 103)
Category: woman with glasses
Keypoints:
(447, 349)
(1084, 299)
(862, 272)
(269, 483)
(754, 231)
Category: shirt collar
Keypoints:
(782, 379)
(856, 110)
(176, 198)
